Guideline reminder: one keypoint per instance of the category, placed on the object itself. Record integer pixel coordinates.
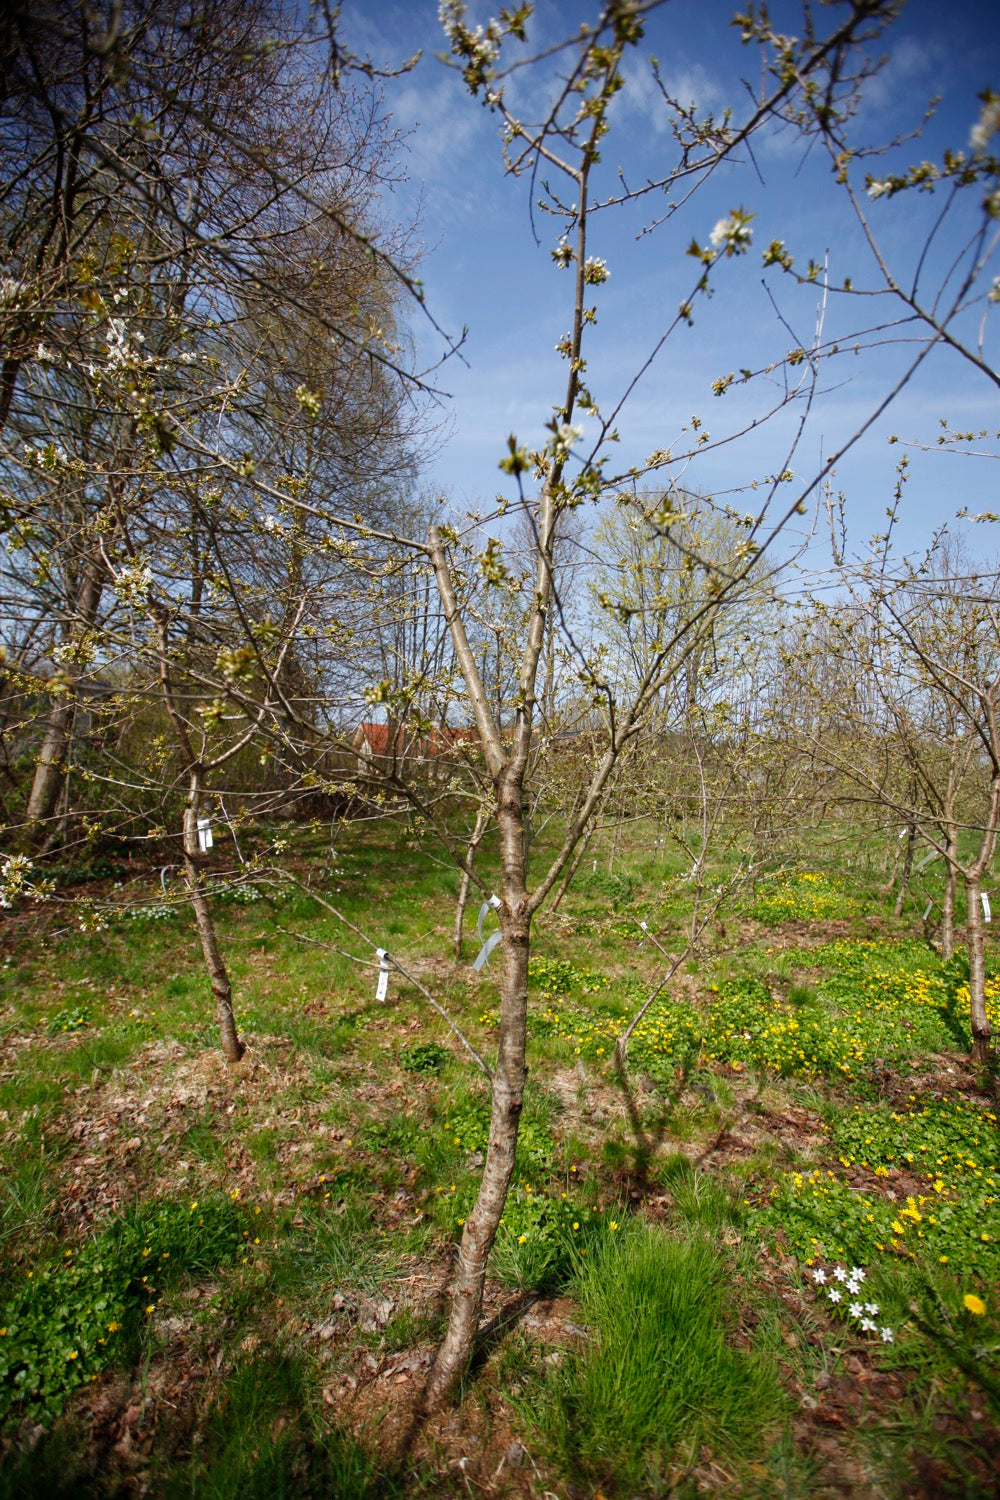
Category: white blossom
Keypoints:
(566, 435)
(987, 125)
(733, 234)
(14, 880)
(133, 582)
(120, 340)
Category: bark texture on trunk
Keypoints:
(907, 870)
(466, 881)
(950, 886)
(481, 1226)
(218, 974)
(47, 781)
(982, 1032)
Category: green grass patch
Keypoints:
(661, 1373)
(265, 1439)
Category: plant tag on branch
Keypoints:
(490, 943)
(927, 911)
(383, 975)
(987, 914)
(205, 839)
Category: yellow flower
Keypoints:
(974, 1304)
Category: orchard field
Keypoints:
(760, 1259)
(459, 470)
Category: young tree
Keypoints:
(922, 638)
(567, 141)
(810, 83)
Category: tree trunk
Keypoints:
(232, 1047)
(950, 884)
(47, 780)
(982, 1032)
(508, 1096)
(466, 880)
(907, 870)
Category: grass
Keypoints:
(797, 1099)
(660, 1374)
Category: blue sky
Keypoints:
(483, 268)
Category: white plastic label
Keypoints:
(927, 910)
(494, 937)
(205, 840)
(383, 975)
(484, 911)
(987, 914)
